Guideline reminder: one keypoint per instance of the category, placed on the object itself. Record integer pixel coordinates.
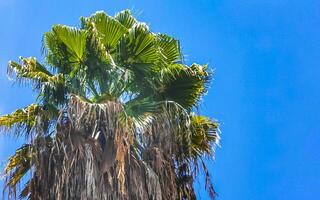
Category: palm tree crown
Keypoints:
(115, 93)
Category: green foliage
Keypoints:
(204, 135)
(25, 116)
(74, 40)
(106, 28)
(125, 18)
(184, 85)
(170, 48)
(18, 165)
(114, 59)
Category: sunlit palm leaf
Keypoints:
(138, 52)
(25, 119)
(139, 46)
(170, 48)
(125, 18)
(204, 135)
(29, 70)
(74, 39)
(108, 70)
(19, 164)
(107, 29)
(26, 116)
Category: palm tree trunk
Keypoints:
(92, 158)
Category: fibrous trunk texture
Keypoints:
(92, 158)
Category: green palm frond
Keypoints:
(56, 53)
(120, 81)
(170, 48)
(51, 87)
(125, 18)
(18, 165)
(204, 135)
(110, 75)
(138, 52)
(106, 28)
(74, 39)
(64, 48)
(142, 111)
(184, 85)
(25, 116)
(98, 60)
(138, 46)
(29, 69)
(100, 71)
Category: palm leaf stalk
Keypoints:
(114, 116)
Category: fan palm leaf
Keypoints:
(204, 135)
(106, 28)
(18, 165)
(20, 117)
(30, 70)
(74, 39)
(114, 106)
(184, 85)
(170, 48)
(126, 19)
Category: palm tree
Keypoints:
(115, 116)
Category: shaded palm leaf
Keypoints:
(184, 85)
(142, 111)
(56, 53)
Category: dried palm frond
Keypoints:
(114, 116)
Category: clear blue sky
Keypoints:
(266, 54)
